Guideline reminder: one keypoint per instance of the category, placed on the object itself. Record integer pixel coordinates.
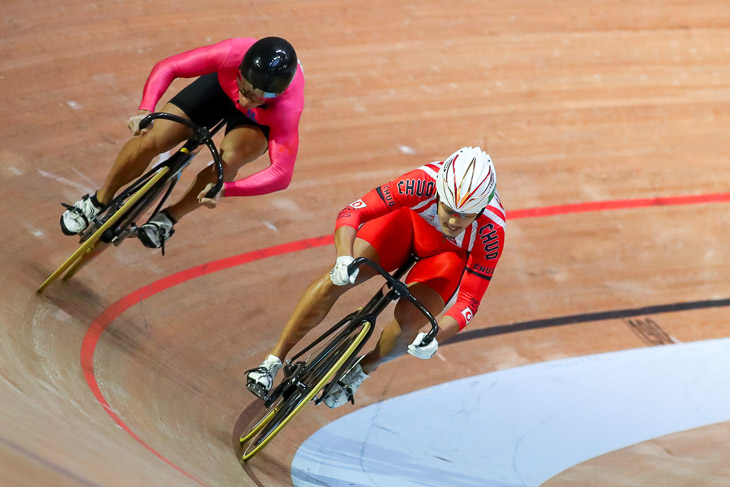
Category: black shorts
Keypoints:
(205, 102)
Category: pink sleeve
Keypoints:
(283, 147)
(190, 64)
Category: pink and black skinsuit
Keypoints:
(280, 114)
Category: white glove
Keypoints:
(339, 274)
(423, 352)
(133, 123)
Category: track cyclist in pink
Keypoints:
(257, 86)
(446, 213)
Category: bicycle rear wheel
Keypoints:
(91, 241)
(319, 368)
(90, 254)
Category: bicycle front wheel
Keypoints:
(94, 235)
(320, 367)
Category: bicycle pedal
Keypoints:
(128, 232)
(89, 231)
(257, 390)
(289, 368)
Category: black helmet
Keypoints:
(269, 64)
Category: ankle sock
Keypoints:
(174, 222)
(96, 202)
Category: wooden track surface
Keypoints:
(577, 102)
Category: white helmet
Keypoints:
(467, 181)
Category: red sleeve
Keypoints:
(479, 270)
(190, 64)
(406, 191)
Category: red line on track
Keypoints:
(93, 334)
(97, 327)
(617, 205)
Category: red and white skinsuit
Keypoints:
(401, 217)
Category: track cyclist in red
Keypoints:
(257, 86)
(449, 214)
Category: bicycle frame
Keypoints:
(201, 136)
(369, 313)
(313, 378)
(180, 159)
(139, 195)
(379, 302)
(174, 164)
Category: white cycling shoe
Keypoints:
(76, 218)
(346, 387)
(261, 379)
(157, 231)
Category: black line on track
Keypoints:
(586, 318)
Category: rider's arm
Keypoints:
(283, 147)
(348, 222)
(448, 327)
(478, 273)
(344, 240)
(471, 292)
(190, 64)
(385, 199)
(376, 203)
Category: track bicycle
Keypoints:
(312, 373)
(118, 220)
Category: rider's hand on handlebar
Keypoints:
(339, 274)
(209, 202)
(426, 352)
(133, 122)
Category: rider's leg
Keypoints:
(387, 232)
(137, 153)
(131, 162)
(311, 309)
(394, 340)
(317, 301)
(386, 240)
(433, 281)
(401, 332)
(240, 146)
